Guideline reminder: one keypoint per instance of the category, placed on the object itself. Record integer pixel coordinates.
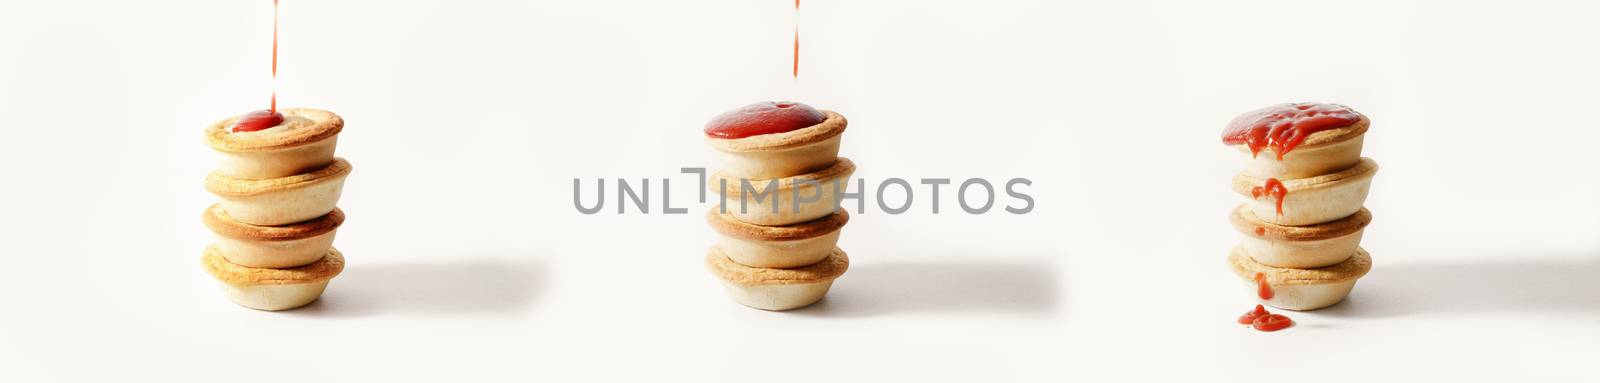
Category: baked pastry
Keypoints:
(281, 201)
(1309, 201)
(1302, 289)
(303, 142)
(776, 205)
(775, 151)
(273, 247)
(777, 247)
(777, 289)
(1289, 141)
(1300, 247)
(273, 289)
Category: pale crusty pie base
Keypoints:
(777, 247)
(281, 201)
(819, 184)
(273, 289)
(1300, 247)
(1302, 289)
(273, 247)
(303, 142)
(777, 289)
(779, 155)
(1315, 200)
(1321, 153)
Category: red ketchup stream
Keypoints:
(264, 119)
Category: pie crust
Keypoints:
(1313, 200)
(1322, 152)
(733, 272)
(281, 201)
(274, 247)
(273, 289)
(779, 155)
(777, 246)
(1302, 289)
(304, 142)
(777, 289)
(778, 207)
(324, 269)
(1300, 247)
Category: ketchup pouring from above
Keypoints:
(1283, 127)
(763, 118)
(264, 119)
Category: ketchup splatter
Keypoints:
(1285, 126)
(1273, 188)
(1250, 316)
(1272, 322)
(264, 119)
(1263, 289)
(763, 118)
(1262, 320)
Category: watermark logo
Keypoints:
(973, 195)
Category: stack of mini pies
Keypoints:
(774, 253)
(276, 218)
(1309, 251)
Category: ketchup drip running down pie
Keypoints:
(1273, 187)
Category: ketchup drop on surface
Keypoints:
(1285, 126)
(1272, 322)
(1262, 320)
(1250, 316)
(763, 118)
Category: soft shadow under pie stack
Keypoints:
(276, 218)
(771, 253)
(1306, 184)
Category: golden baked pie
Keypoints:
(780, 247)
(1302, 289)
(302, 143)
(785, 154)
(281, 201)
(273, 289)
(274, 247)
(1300, 247)
(777, 289)
(1310, 201)
(817, 192)
(1333, 147)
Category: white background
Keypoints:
(468, 120)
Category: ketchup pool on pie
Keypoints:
(763, 118)
(1283, 127)
(256, 121)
